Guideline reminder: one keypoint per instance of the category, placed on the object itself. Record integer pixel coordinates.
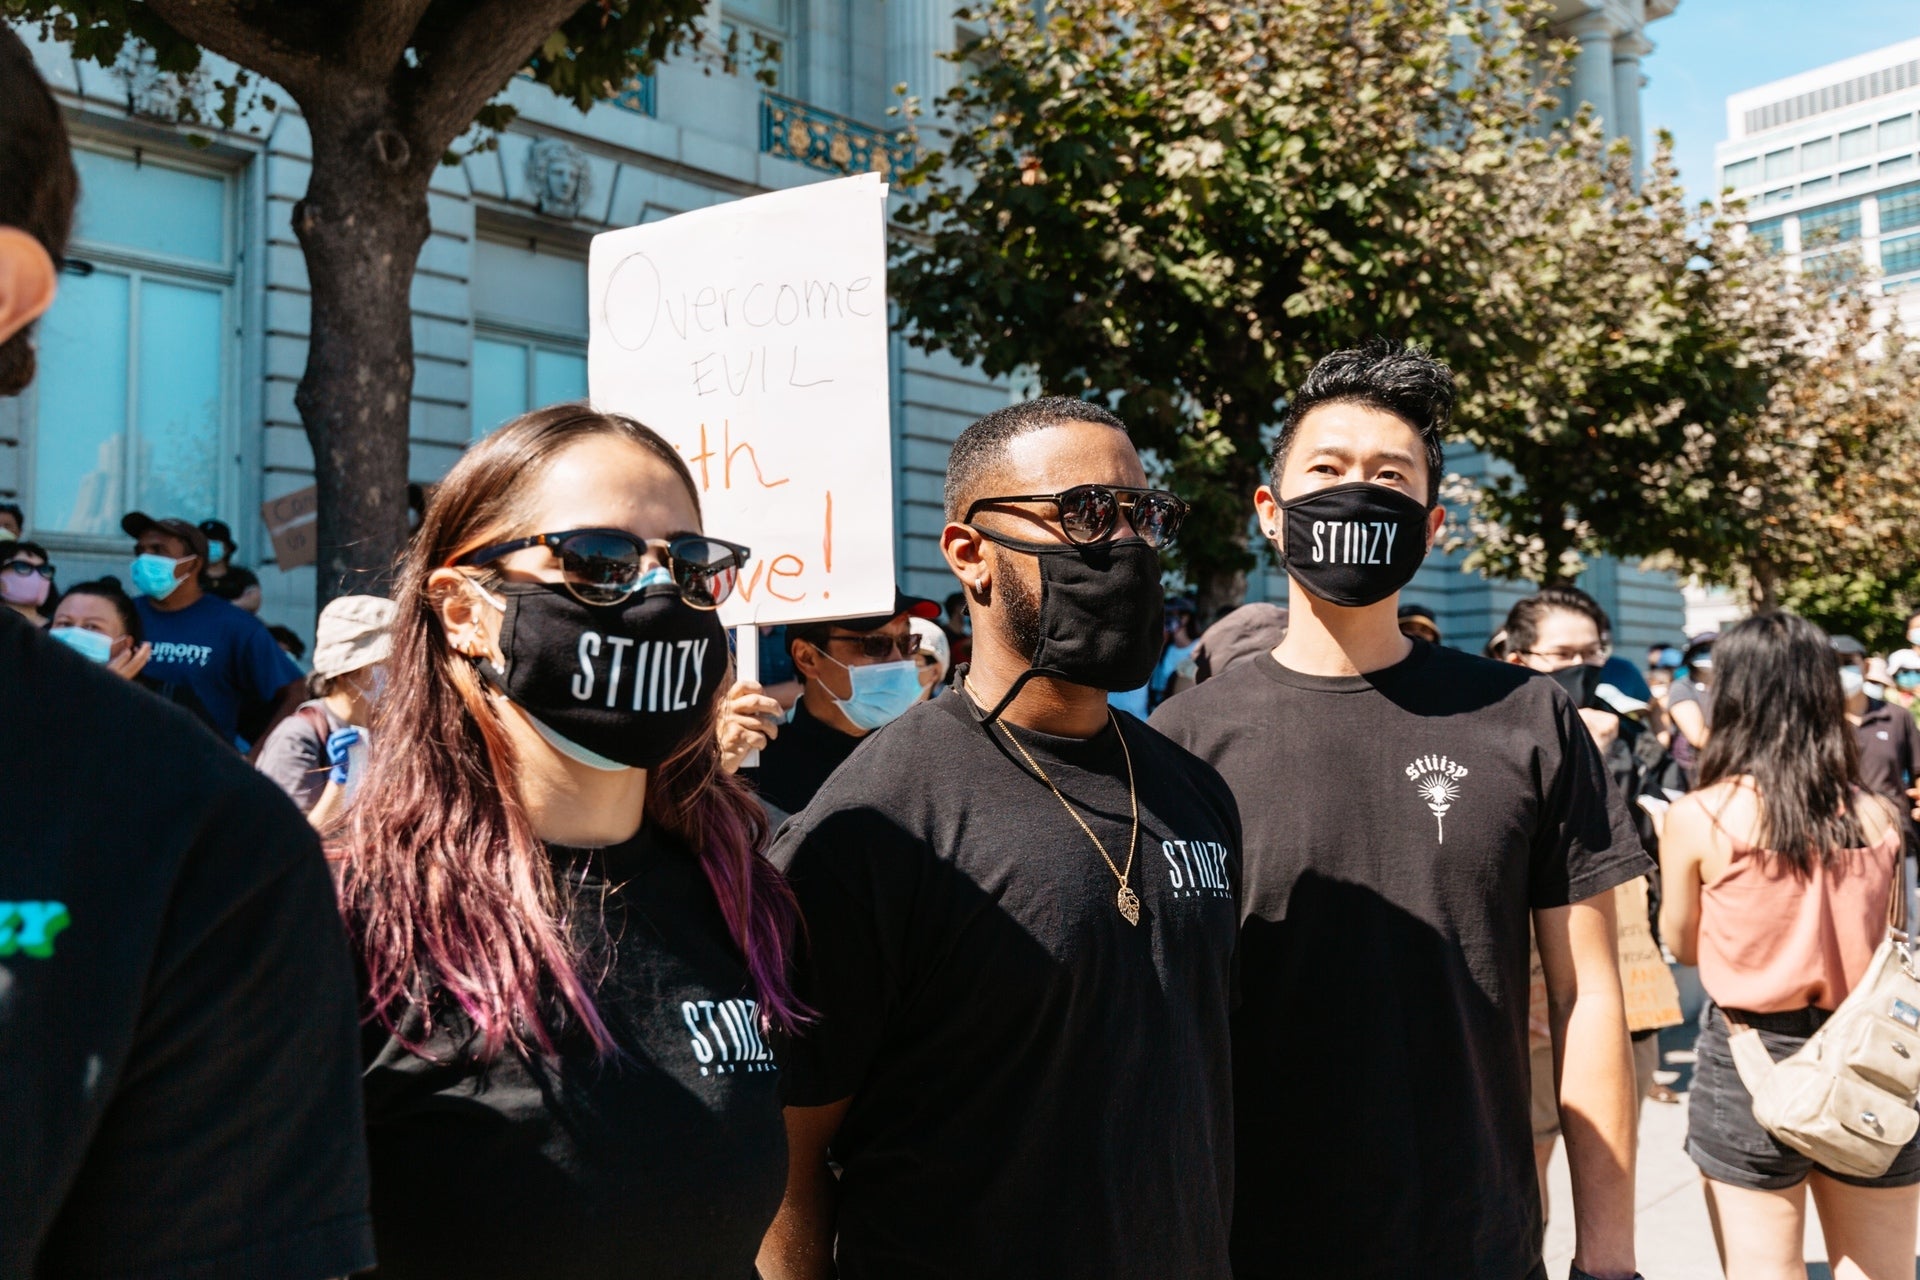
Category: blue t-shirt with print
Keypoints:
(222, 652)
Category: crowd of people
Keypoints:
(528, 939)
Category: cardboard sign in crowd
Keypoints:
(753, 336)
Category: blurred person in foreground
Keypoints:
(177, 1031)
(1777, 874)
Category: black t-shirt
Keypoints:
(668, 1164)
(1400, 827)
(1039, 1088)
(179, 1091)
(795, 765)
(1890, 758)
(230, 585)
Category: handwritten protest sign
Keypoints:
(292, 522)
(753, 336)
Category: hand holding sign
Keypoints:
(753, 336)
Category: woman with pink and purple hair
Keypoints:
(573, 952)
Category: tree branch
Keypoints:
(376, 43)
(470, 63)
(218, 27)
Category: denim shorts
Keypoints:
(1726, 1141)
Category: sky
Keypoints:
(1709, 49)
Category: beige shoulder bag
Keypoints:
(1846, 1098)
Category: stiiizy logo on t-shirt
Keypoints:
(726, 1036)
(1197, 868)
(1437, 779)
(31, 927)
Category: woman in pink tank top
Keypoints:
(1778, 873)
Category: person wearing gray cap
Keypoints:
(221, 651)
(316, 754)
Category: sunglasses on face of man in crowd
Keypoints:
(1090, 513)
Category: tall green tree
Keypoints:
(386, 87)
(1179, 205)
(1623, 347)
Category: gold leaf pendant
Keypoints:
(1129, 904)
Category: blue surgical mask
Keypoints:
(88, 644)
(153, 576)
(1852, 680)
(217, 550)
(881, 692)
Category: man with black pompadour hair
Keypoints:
(1409, 809)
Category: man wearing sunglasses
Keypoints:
(1021, 917)
(857, 674)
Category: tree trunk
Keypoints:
(361, 224)
(1218, 589)
(1763, 587)
(1555, 542)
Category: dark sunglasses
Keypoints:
(878, 648)
(1090, 512)
(27, 568)
(605, 566)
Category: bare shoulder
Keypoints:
(1729, 807)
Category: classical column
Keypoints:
(1592, 65)
(1627, 82)
(914, 31)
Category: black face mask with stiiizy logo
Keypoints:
(625, 684)
(1353, 544)
(1101, 611)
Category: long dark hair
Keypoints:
(1779, 718)
(449, 893)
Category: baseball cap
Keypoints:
(136, 523)
(912, 606)
(933, 640)
(1848, 647)
(353, 632)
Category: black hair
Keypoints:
(38, 183)
(15, 510)
(1524, 619)
(981, 448)
(1779, 718)
(956, 600)
(286, 638)
(110, 590)
(1397, 378)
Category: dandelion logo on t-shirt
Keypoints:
(726, 1036)
(1437, 779)
(1197, 868)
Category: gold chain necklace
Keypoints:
(1126, 899)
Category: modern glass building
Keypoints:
(1828, 162)
(170, 360)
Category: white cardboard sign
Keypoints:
(753, 336)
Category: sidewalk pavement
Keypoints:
(1674, 1240)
